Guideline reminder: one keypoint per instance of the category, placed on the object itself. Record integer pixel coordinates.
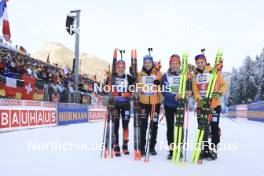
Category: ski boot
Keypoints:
(117, 150)
(142, 152)
(152, 152)
(213, 155)
(125, 148)
(169, 157)
(204, 154)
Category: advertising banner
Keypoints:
(69, 113)
(24, 114)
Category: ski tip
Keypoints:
(220, 52)
(137, 158)
(183, 163)
(146, 161)
(132, 53)
(199, 162)
(105, 154)
(185, 54)
(115, 52)
(137, 155)
(112, 153)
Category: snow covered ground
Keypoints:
(18, 158)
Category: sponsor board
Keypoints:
(24, 114)
(97, 112)
(69, 113)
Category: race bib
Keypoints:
(202, 81)
(121, 85)
(174, 82)
(148, 82)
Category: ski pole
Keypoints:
(153, 109)
(186, 129)
(104, 136)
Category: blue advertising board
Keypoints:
(72, 113)
(231, 112)
(256, 111)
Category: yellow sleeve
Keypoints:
(159, 77)
(196, 93)
(223, 87)
(139, 77)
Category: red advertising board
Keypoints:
(97, 112)
(23, 114)
(241, 111)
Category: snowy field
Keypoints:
(34, 152)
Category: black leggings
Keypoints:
(145, 110)
(170, 114)
(124, 110)
(215, 130)
(212, 129)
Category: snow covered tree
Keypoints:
(234, 87)
(247, 82)
(248, 86)
(259, 77)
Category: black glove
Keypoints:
(131, 71)
(157, 82)
(216, 95)
(203, 103)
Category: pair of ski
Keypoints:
(108, 134)
(177, 154)
(149, 132)
(204, 121)
(181, 120)
(136, 107)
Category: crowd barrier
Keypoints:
(69, 113)
(26, 114)
(23, 114)
(256, 111)
(253, 111)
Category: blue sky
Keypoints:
(169, 26)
